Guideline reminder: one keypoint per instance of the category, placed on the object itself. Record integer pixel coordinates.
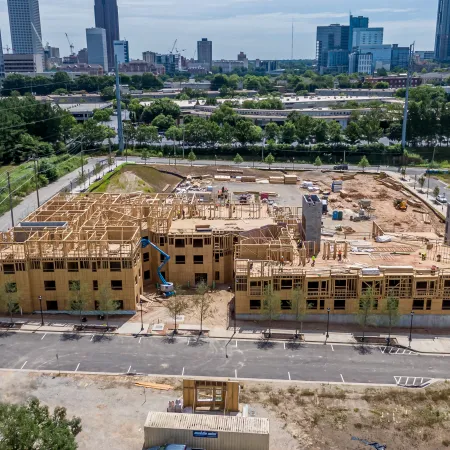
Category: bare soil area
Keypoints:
(155, 311)
(302, 416)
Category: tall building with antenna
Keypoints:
(107, 17)
(25, 26)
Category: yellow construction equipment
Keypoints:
(401, 204)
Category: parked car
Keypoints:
(441, 198)
(174, 447)
(341, 167)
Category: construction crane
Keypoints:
(165, 287)
(174, 45)
(70, 45)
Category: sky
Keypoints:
(260, 28)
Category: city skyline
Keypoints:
(260, 29)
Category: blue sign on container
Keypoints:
(205, 434)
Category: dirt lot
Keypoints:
(155, 312)
(302, 416)
(133, 178)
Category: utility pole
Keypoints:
(119, 109)
(36, 181)
(10, 201)
(292, 41)
(82, 163)
(110, 157)
(405, 110)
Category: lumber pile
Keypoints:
(158, 386)
(248, 179)
(276, 180)
(290, 179)
(230, 171)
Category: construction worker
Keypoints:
(424, 256)
(313, 261)
(282, 260)
(340, 255)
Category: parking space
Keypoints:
(413, 382)
(397, 351)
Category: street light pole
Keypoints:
(42, 314)
(142, 320)
(410, 328)
(328, 322)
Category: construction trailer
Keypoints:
(206, 431)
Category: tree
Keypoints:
(149, 81)
(9, 300)
(335, 132)
(32, 426)
(269, 159)
(288, 133)
(436, 191)
(129, 133)
(163, 122)
(270, 307)
(238, 159)
(145, 154)
(391, 312)
(191, 157)
(320, 130)
(177, 305)
(163, 106)
(370, 126)
(92, 133)
(203, 303)
(247, 133)
(364, 163)
(366, 310)
(102, 115)
(318, 161)
(78, 296)
(382, 85)
(105, 303)
(272, 131)
(421, 181)
(174, 133)
(300, 308)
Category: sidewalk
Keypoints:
(437, 345)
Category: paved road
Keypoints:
(247, 359)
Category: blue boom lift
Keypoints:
(166, 287)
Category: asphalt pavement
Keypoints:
(207, 357)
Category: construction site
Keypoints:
(334, 236)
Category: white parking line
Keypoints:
(92, 337)
(140, 340)
(382, 349)
(235, 373)
(129, 368)
(182, 372)
(24, 364)
(189, 340)
(332, 348)
(342, 378)
(236, 342)
(289, 375)
(43, 336)
(284, 345)
(77, 367)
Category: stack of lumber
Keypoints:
(248, 179)
(290, 179)
(160, 387)
(276, 180)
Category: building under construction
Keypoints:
(96, 240)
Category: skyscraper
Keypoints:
(121, 52)
(97, 47)
(2, 62)
(332, 39)
(356, 22)
(107, 17)
(25, 25)
(204, 51)
(442, 45)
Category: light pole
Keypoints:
(142, 320)
(293, 161)
(328, 322)
(410, 329)
(42, 314)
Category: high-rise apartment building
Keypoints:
(149, 57)
(204, 51)
(356, 22)
(400, 57)
(97, 47)
(107, 17)
(442, 43)
(367, 36)
(83, 56)
(330, 38)
(25, 26)
(122, 52)
(2, 62)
